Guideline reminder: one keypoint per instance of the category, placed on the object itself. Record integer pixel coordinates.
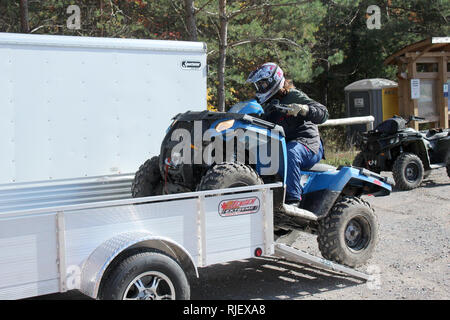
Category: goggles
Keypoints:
(263, 85)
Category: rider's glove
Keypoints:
(296, 109)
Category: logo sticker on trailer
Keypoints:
(191, 65)
(237, 207)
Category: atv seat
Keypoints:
(321, 167)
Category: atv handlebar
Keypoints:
(414, 118)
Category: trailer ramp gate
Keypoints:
(300, 256)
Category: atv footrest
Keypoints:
(437, 165)
(296, 212)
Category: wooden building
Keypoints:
(423, 79)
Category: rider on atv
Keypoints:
(299, 118)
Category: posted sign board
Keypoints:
(415, 88)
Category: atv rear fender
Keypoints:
(322, 189)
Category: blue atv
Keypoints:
(331, 205)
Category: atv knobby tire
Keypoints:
(408, 171)
(229, 175)
(348, 235)
(147, 180)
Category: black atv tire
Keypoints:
(118, 284)
(147, 180)
(229, 175)
(349, 233)
(408, 171)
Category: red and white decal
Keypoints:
(236, 207)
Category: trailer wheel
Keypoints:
(408, 171)
(147, 180)
(146, 276)
(348, 235)
(229, 175)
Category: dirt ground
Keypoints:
(411, 260)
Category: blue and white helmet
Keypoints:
(268, 79)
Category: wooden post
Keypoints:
(402, 90)
(442, 102)
(413, 105)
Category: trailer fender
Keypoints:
(97, 263)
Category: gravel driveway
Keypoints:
(410, 262)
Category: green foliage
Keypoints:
(323, 45)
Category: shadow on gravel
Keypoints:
(424, 184)
(432, 184)
(258, 278)
(265, 278)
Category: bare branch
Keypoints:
(197, 10)
(258, 40)
(177, 10)
(266, 5)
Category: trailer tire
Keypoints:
(146, 276)
(407, 171)
(349, 234)
(147, 180)
(229, 175)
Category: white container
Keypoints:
(74, 107)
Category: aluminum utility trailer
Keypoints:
(83, 233)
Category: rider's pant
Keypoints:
(299, 157)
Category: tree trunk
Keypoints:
(190, 19)
(222, 54)
(24, 16)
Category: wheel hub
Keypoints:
(352, 233)
(150, 286)
(411, 172)
(357, 234)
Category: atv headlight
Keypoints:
(224, 125)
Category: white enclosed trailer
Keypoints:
(77, 117)
(75, 107)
